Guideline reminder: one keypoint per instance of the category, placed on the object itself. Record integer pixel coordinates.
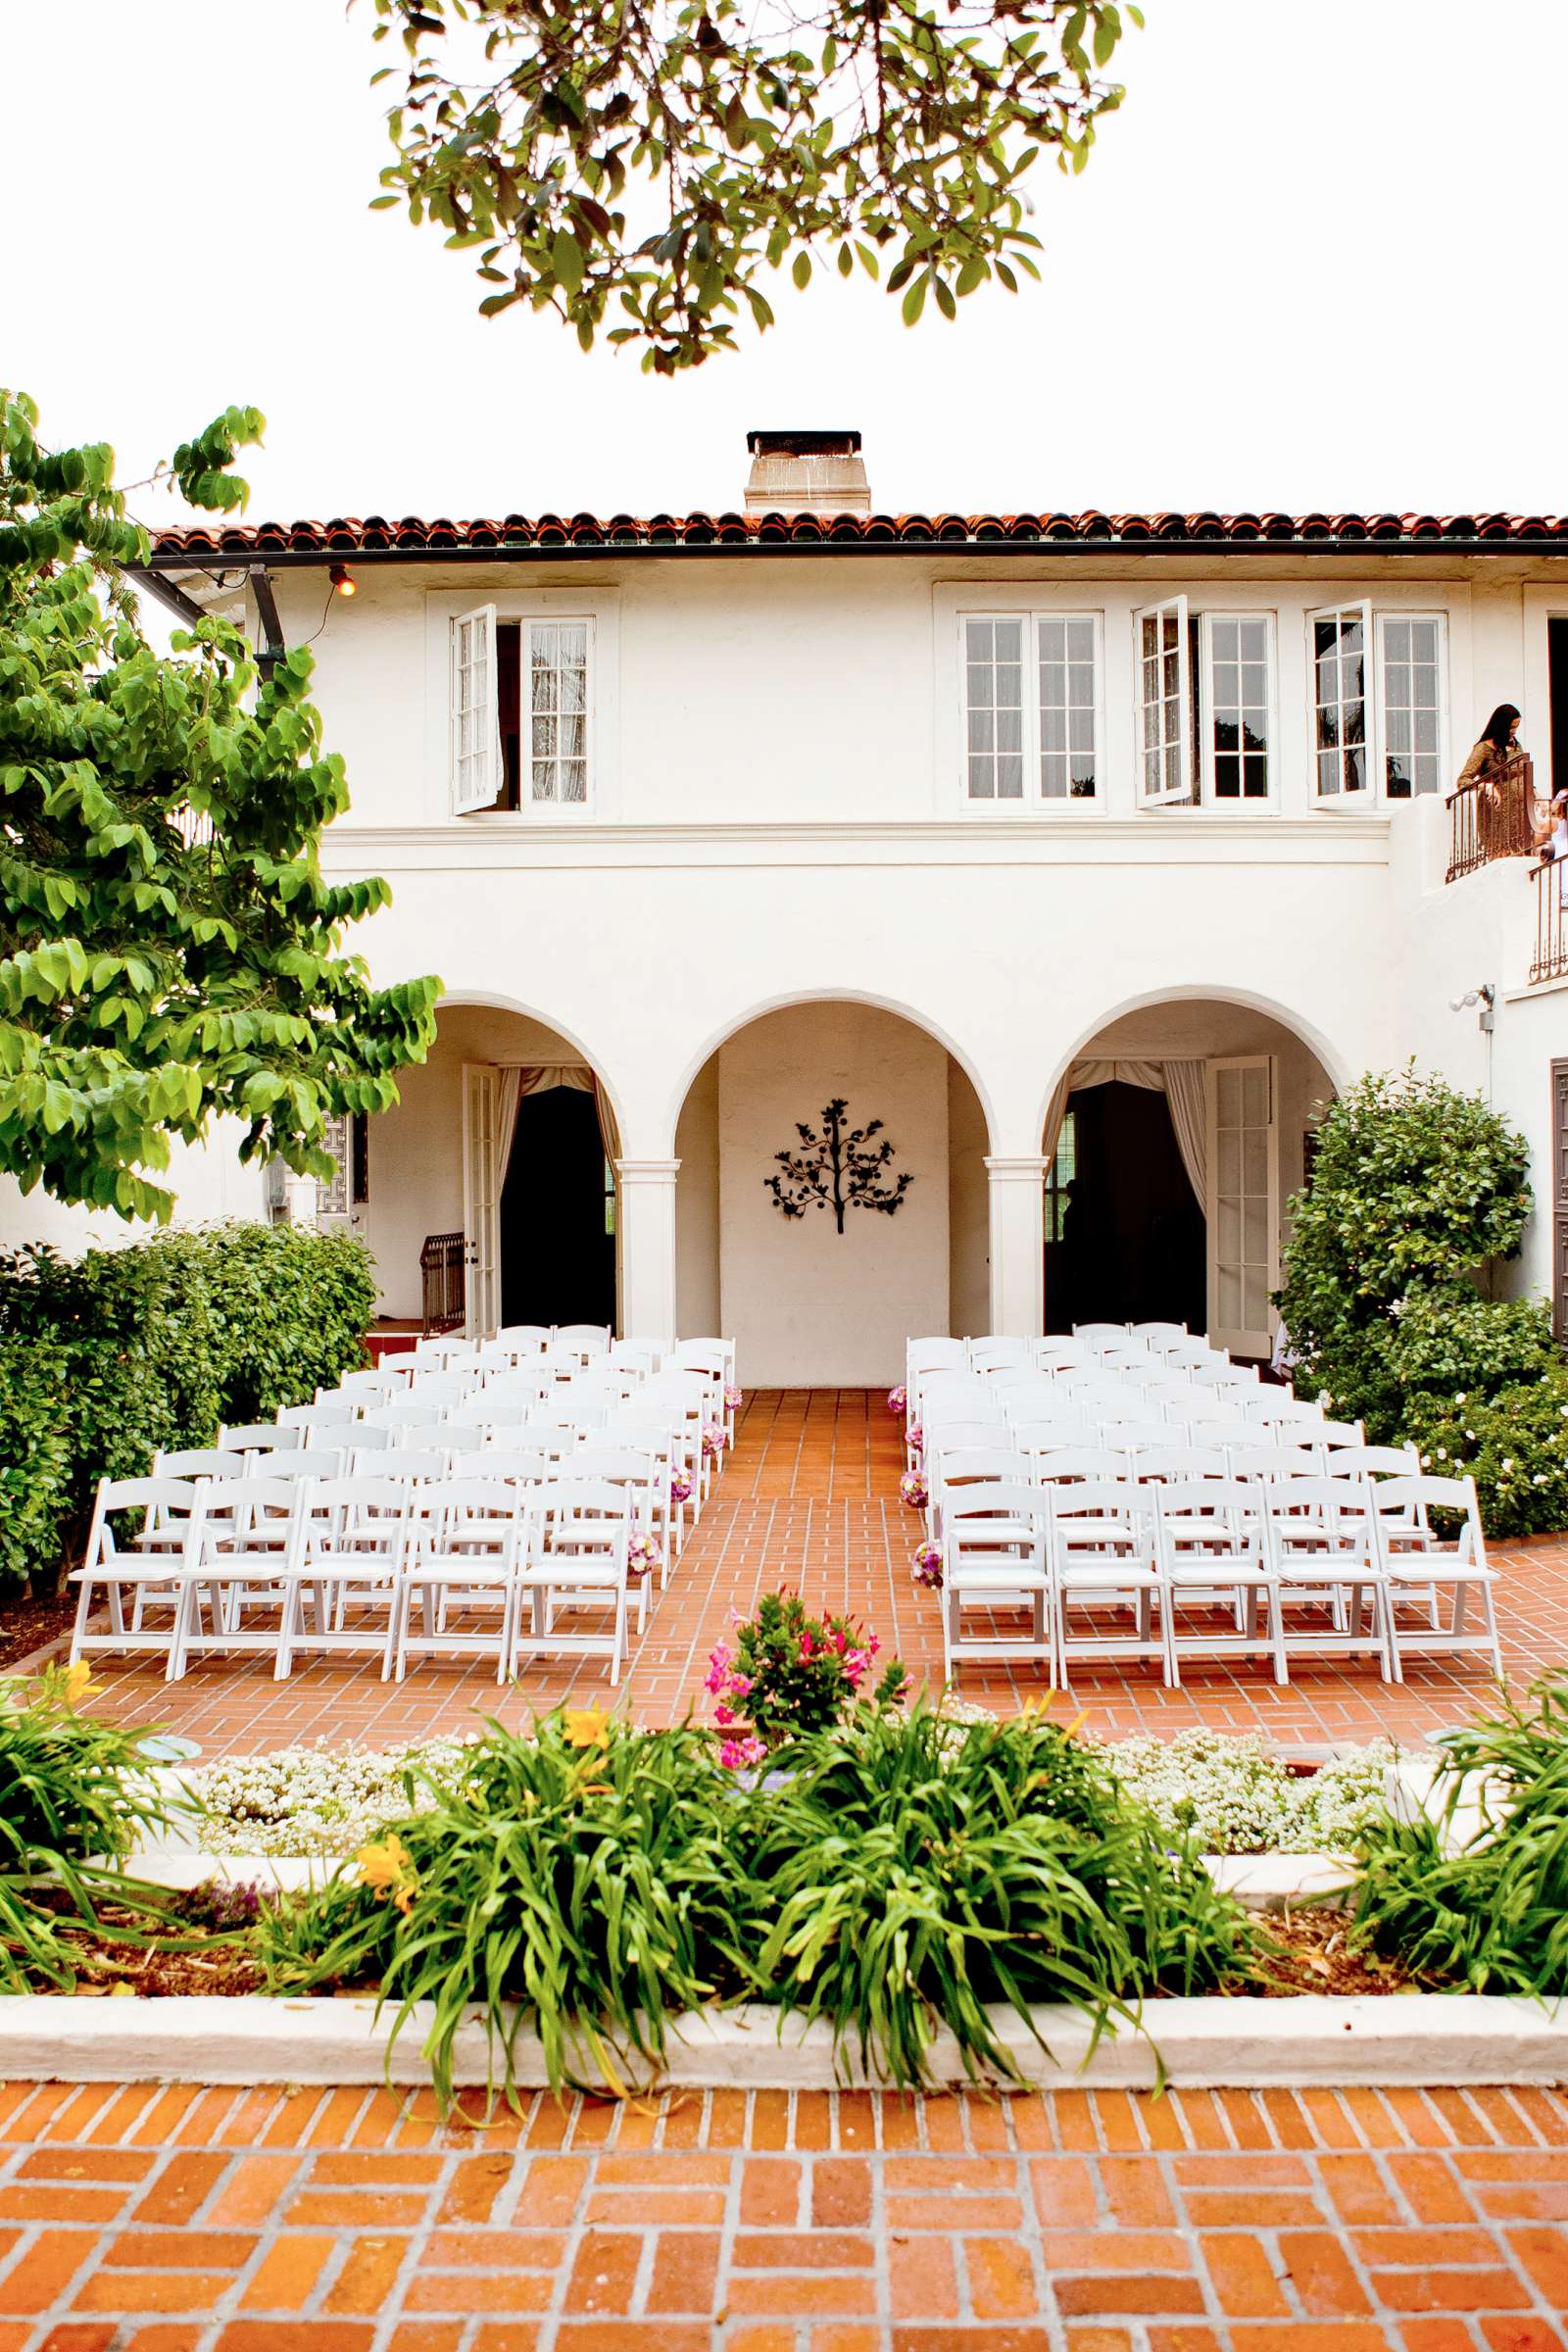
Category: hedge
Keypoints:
(108, 1358)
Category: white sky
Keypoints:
(1315, 261)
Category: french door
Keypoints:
(1244, 1203)
(481, 1188)
(1559, 1202)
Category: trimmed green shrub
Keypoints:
(34, 1456)
(1515, 1446)
(108, 1358)
(1414, 1185)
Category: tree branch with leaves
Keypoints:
(648, 163)
(170, 949)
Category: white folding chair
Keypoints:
(998, 1353)
(1208, 1541)
(157, 1555)
(247, 1552)
(964, 1466)
(1415, 1558)
(994, 1556)
(1070, 1465)
(258, 1437)
(584, 1341)
(1160, 1336)
(350, 1550)
(1165, 1466)
(582, 1560)
(1274, 1462)
(1321, 1543)
(319, 1424)
(1101, 1556)
(522, 1338)
(646, 1478)
(200, 1461)
(666, 1449)
(419, 1416)
(368, 1388)
(466, 1543)
(1099, 1335)
(1053, 1354)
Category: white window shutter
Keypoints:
(1163, 703)
(476, 765)
(1339, 660)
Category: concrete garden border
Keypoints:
(1205, 2043)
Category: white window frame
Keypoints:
(1168, 795)
(476, 776)
(526, 803)
(1372, 700)
(1383, 614)
(995, 801)
(1206, 709)
(598, 603)
(1034, 801)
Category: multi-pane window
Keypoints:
(1066, 656)
(519, 712)
(1162, 700)
(1410, 706)
(1061, 1177)
(994, 708)
(1341, 646)
(1234, 706)
(557, 702)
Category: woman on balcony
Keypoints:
(1499, 742)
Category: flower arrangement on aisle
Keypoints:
(715, 1437)
(926, 1567)
(680, 1483)
(644, 1554)
(913, 1491)
(898, 1402)
(914, 1439)
(734, 1399)
(788, 1673)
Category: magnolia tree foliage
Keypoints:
(168, 949)
(649, 163)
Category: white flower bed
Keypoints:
(1233, 1789)
(318, 1800)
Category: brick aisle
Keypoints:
(152, 2220)
(810, 1499)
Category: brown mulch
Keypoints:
(204, 1958)
(1310, 1951)
(28, 1625)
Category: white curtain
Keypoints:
(519, 1078)
(506, 1121)
(1187, 1096)
(1181, 1082)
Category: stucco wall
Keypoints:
(803, 1302)
(968, 1209)
(698, 1307)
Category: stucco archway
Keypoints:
(1174, 1137)
(446, 1162)
(808, 1305)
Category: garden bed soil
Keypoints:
(27, 1626)
(1310, 1952)
(189, 1956)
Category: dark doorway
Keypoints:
(1133, 1237)
(557, 1214)
(1558, 689)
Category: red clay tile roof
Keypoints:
(655, 533)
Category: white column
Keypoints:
(300, 1197)
(646, 1213)
(1017, 1244)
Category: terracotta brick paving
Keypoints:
(809, 1498)
(176, 2219)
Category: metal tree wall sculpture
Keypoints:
(839, 1169)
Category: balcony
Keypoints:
(1550, 959)
(1494, 817)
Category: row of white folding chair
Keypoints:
(1138, 1466)
(1272, 1547)
(214, 1544)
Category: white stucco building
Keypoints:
(980, 824)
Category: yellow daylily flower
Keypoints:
(74, 1682)
(386, 1869)
(587, 1726)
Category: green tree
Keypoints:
(658, 159)
(168, 949)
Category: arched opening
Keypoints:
(821, 1284)
(491, 1190)
(1174, 1140)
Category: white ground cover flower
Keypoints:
(1235, 1792)
(318, 1800)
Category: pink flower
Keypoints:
(738, 1752)
(806, 1649)
(897, 1400)
(723, 1713)
(739, 1685)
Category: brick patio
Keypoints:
(174, 2220)
(810, 1499)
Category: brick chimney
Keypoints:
(807, 474)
